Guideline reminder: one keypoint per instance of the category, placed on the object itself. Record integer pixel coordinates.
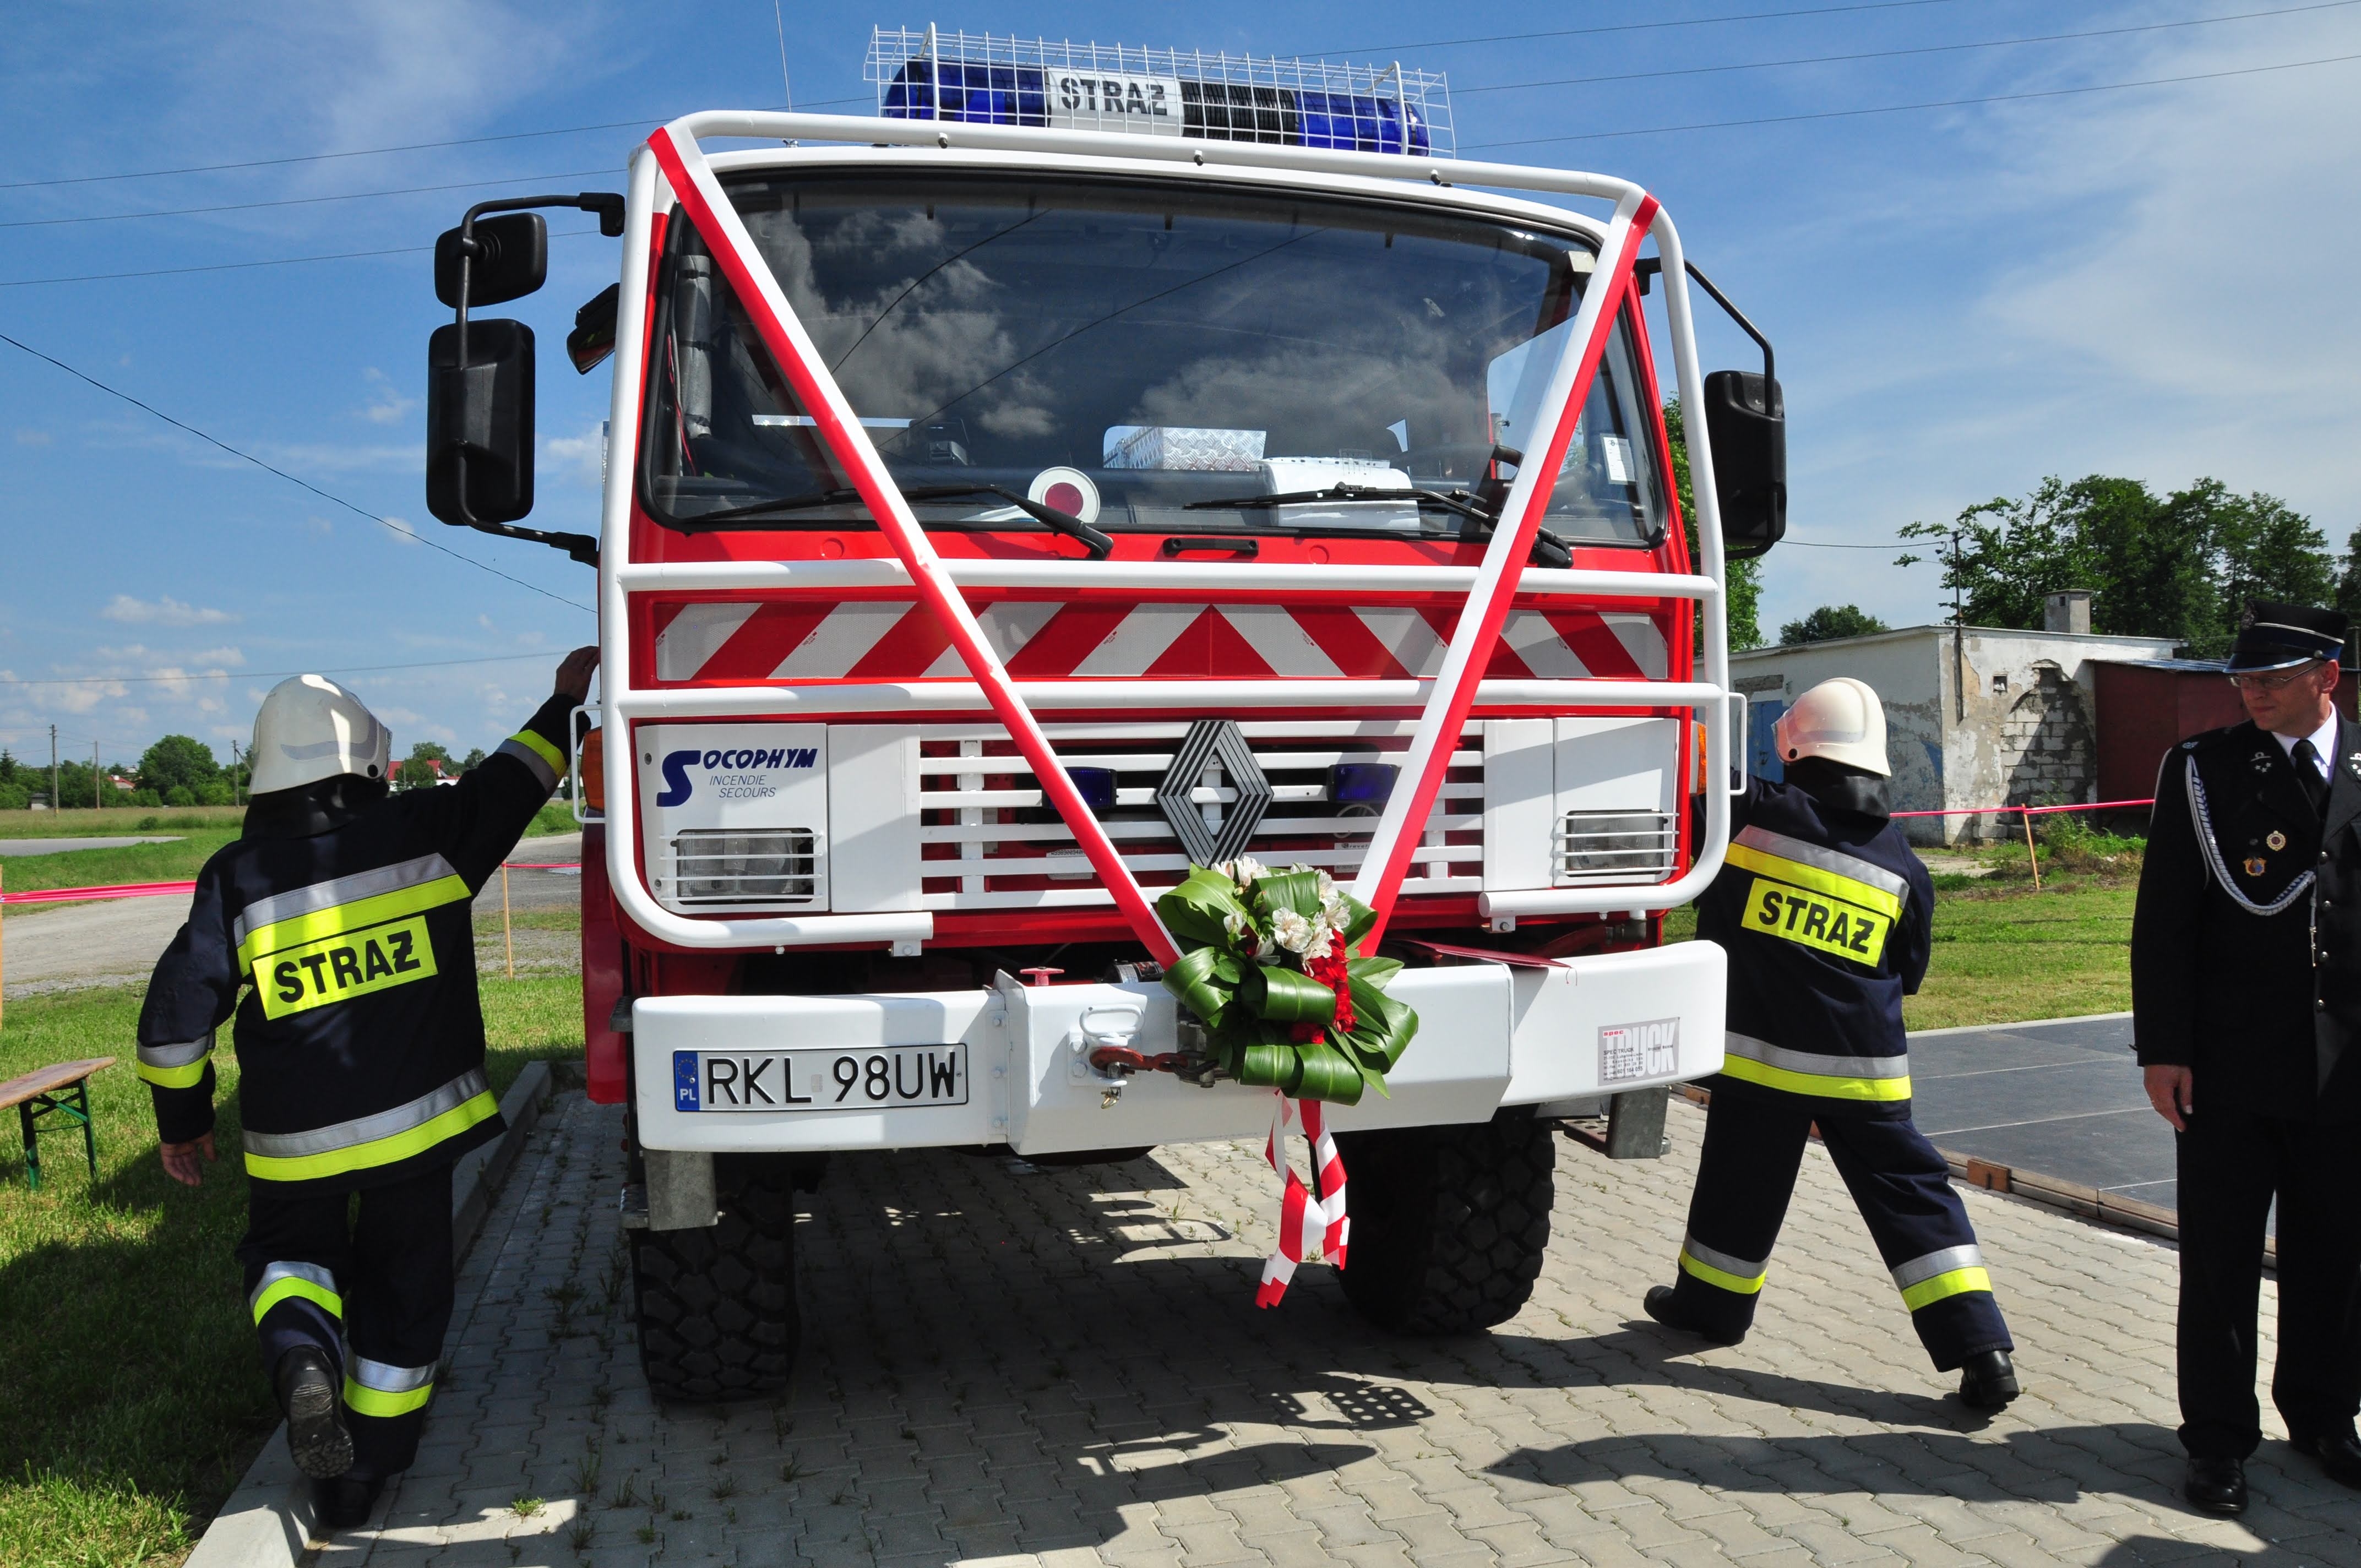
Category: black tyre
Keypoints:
(1449, 1223)
(717, 1305)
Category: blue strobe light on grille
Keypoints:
(1361, 784)
(986, 79)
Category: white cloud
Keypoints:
(165, 611)
(580, 459)
(386, 404)
(402, 530)
(28, 437)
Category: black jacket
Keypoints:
(1826, 915)
(2246, 951)
(360, 1043)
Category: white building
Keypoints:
(1975, 715)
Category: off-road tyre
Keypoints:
(717, 1304)
(1449, 1223)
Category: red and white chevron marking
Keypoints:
(893, 639)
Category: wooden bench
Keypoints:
(62, 1090)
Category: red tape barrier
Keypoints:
(2031, 810)
(167, 889)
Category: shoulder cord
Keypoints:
(2296, 889)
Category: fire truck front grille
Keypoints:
(990, 840)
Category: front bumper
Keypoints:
(1489, 1035)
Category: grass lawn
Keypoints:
(131, 1400)
(2004, 953)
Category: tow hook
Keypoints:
(1101, 1040)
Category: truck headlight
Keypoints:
(722, 866)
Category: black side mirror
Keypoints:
(593, 337)
(479, 422)
(511, 260)
(1747, 422)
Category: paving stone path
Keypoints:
(1006, 1365)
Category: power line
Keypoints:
(345, 196)
(306, 483)
(1904, 108)
(269, 675)
(1887, 53)
(240, 266)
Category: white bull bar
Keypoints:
(1444, 700)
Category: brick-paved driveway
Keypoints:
(1001, 1363)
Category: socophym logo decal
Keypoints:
(744, 779)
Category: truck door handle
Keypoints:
(1247, 547)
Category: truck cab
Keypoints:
(1095, 466)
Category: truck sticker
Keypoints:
(1627, 1051)
(1816, 920)
(743, 778)
(349, 964)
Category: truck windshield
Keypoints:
(1190, 350)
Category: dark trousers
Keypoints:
(367, 1280)
(1754, 1146)
(2231, 1164)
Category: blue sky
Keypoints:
(2153, 282)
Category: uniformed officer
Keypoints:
(345, 918)
(2246, 1001)
(1826, 915)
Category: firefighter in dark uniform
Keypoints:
(344, 917)
(2246, 1001)
(1826, 915)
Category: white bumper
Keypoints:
(1489, 1035)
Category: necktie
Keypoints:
(2307, 772)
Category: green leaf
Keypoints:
(1297, 891)
(1194, 912)
(1286, 995)
(1326, 1074)
(1206, 980)
(1358, 919)
(1376, 973)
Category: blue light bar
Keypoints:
(984, 79)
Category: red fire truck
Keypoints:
(1098, 463)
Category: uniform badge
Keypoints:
(2262, 761)
(2276, 840)
(2188, 745)
(2354, 762)
(2255, 864)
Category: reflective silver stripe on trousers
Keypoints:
(273, 1273)
(1744, 1269)
(387, 1379)
(180, 1055)
(337, 890)
(1826, 860)
(531, 759)
(368, 1129)
(1737, 1044)
(1921, 1269)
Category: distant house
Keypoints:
(1975, 715)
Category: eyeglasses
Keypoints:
(2273, 683)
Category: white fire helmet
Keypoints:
(1839, 720)
(312, 728)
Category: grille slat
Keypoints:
(729, 868)
(1614, 846)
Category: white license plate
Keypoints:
(827, 1080)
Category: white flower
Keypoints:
(1327, 886)
(1293, 931)
(1322, 939)
(1237, 926)
(1246, 871)
(1332, 912)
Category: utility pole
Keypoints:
(1959, 635)
(236, 794)
(94, 775)
(57, 802)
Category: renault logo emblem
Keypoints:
(1214, 755)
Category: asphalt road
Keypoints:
(118, 942)
(60, 846)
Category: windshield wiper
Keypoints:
(1549, 550)
(1048, 517)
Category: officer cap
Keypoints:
(2281, 636)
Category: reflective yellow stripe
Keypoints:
(1953, 1282)
(367, 1401)
(542, 749)
(298, 929)
(1813, 877)
(280, 1289)
(1736, 1283)
(1815, 1084)
(377, 1151)
(187, 1077)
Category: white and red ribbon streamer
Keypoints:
(1297, 1205)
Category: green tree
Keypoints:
(415, 773)
(2181, 566)
(178, 762)
(1830, 623)
(472, 761)
(1744, 596)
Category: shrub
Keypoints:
(13, 797)
(180, 795)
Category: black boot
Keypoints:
(1659, 1305)
(1988, 1381)
(312, 1396)
(346, 1502)
(2215, 1485)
